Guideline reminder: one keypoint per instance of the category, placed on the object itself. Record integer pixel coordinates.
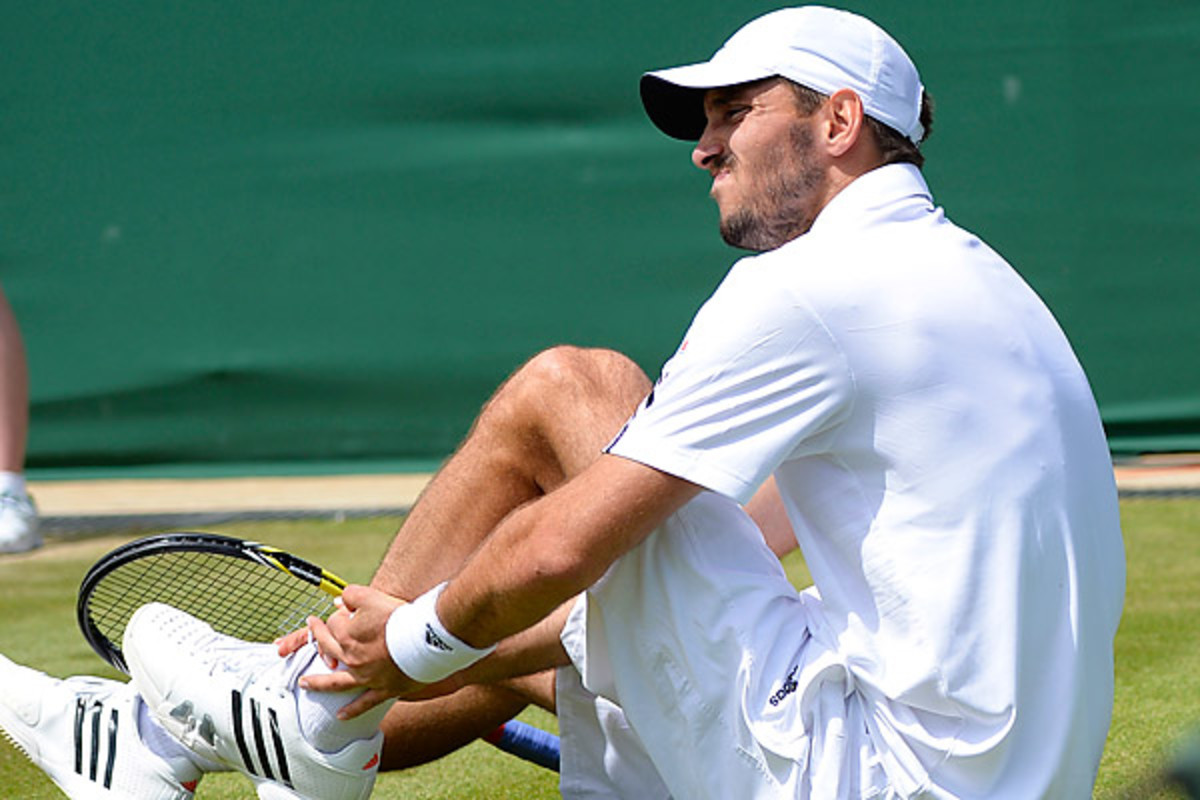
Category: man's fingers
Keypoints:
(364, 702)
(292, 642)
(340, 681)
(327, 644)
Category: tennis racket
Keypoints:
(245, 589)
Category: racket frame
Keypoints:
(194, 542)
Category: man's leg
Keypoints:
(420, 732)
(544, 425)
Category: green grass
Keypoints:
(1158, 652)
(1158, 646)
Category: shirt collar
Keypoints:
(870, 195)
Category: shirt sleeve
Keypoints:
(758, 379)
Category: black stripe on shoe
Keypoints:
(260, 743)
(97, 712)
(113, 722)
(280, 756)
(80, 708)
(239, 734)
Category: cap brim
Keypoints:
(677, 111)
(674, 98)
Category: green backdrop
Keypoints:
(239, 232)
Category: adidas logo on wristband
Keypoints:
(420, 645)
(435, 641)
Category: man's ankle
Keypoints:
(319, 723)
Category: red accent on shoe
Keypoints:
(191, 785)
(374, 760)
(495, 736)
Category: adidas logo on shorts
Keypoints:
(789, 686)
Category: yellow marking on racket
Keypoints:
(330, 584)
(265, 552)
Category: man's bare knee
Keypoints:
(573, 380)
(565, 404)
(602, 377)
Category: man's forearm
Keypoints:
(554, 548)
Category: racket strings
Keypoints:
(237, 597)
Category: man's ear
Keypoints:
(844, 122)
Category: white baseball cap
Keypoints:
(824, 49)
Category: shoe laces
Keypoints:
(220, 653)
(90, 686)
(254, 663)
(89, 690)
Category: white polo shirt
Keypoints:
(942, 462)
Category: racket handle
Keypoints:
(527, 742)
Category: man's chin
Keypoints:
(742, 231)
(746, 231)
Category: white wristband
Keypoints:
(422, 647)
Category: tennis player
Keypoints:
(879, 381)
(875, 383)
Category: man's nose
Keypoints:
(708, 149)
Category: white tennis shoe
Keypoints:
(83, 733)
(234, 703)
(18, 523)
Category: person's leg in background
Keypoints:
(18, 515)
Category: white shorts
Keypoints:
(601, 758)
(703, 646)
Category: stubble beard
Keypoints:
(784, 208)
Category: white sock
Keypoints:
(12, 483)
(318, 715)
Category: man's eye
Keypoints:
(736, 112)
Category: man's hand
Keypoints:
(295, 640)
(355, 639)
